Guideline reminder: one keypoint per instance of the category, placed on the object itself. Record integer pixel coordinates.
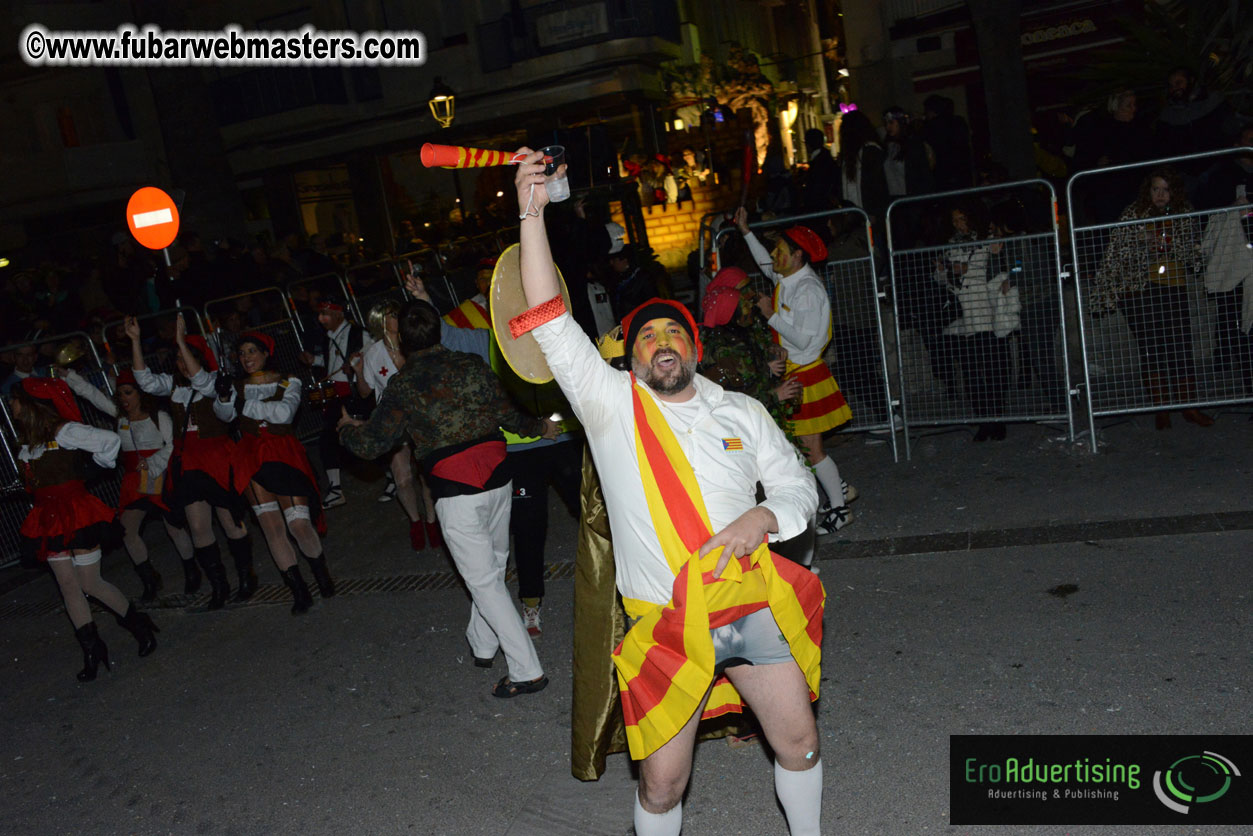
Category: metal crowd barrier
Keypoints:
(980, 329)
(705, 245)
(304, 294)
(281, 325)
(1161, 295)
(857, 354)
(157, 332)
(372, 283)
(15, 503)
(427, 265)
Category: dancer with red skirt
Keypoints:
(147, 435)
(271, 468)
(67, 524)
(200, 474)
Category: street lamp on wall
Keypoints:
(441, 102)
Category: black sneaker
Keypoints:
(834, 520)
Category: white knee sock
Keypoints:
(668, 823)
(829, 477)
(800, 793)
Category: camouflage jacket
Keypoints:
(738, 358)
(439, 399)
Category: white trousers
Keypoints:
(476, 529)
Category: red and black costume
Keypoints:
(268, 451)
(201, 440)
(65, 516)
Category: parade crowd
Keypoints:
(705, 426)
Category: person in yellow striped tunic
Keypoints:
(717, 620)
(472, 313)
(799, 314)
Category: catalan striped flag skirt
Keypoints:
(666, 662)
(822, 406)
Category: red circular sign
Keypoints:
(152, 218)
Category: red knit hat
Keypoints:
(126, 378)
(202, 345)
(656, 308)
(56, 393)
(807, 240)
(263, 340)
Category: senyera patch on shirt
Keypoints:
(732, 444)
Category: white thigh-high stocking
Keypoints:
(298, 523)
(88, 571)
(668, 823)
(800, 793)
(829, 477)
(271, 521)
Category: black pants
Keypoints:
(985, 363)
(1233, 354)
(1158, 318)
(1037, 340)
(533, 470)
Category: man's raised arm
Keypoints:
(539, 276)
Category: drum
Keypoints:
(323, 396)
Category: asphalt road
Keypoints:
(366, 715)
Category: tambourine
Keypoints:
(523, 354)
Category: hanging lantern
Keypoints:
(441, 102)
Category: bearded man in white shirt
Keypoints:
(717, 621)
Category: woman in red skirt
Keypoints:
(147, 435)
(67, 524)
(271, 468)
(201, 468)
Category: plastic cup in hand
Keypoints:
(556, 183)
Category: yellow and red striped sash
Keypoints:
(666, 662)
(469, 314)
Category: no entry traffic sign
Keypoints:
(152, 218)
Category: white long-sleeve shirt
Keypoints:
(802, 317)
(162, 385)
(256, 406)
(601, 398)
(103, 445)
(1229, 260)
(144, 434)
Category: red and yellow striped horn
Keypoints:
(457, 156)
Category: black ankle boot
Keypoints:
(139, 624)
(302, 599)
(241, 554)
(192, 574)
(151, 580)
(317, 565)
(94, 652)
(210, 560)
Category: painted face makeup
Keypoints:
(664, 356)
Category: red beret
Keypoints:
(126, 378)
(719, 305)
(202, 345)
(807, 240)
(56, 393)
(731, 277)
(263, 340)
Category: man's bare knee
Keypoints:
(661, 793)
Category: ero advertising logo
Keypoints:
(1099, 779)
